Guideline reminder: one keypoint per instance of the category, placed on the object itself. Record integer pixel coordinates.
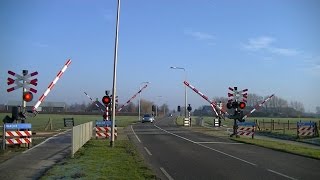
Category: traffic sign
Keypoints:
(103, 123)
(25, 81)
(18, 126)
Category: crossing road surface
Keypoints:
(177, 153)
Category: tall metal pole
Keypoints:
(115, 76)
(24, 103)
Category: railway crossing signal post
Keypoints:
(237, 101)
(27, 95)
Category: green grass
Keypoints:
(284, 147)
(40, 121)
(96, 160)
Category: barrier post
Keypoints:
(4, 137)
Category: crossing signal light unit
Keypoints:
(235, 105)
(106, 100)
(242, 105)
(179, 109)
(27, 96)
(153, 108)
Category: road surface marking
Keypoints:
(46, 141)
(229, 155)
(148, 151)
(166, 173)
(135, 134)
(280, 174)
(216, 143)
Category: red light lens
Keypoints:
(106, 100)
(242, 105)
(27, 96)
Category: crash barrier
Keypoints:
(186, 121)
(216, 122)
(16, 133)
(68, 122)
(307, 129)
(103, 129)
(246, 129)
(80, 135)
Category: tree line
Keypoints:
(146, 107)
(275, 107)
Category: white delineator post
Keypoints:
(51, 85)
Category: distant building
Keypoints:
(44, 106)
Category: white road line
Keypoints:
(234, 157)
(216, 143)
(148, 151)
(280, 174)
(166, 173)
(45, 141)
(135, 134)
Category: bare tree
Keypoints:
(298, 106)
(146, 106)
(318, 109)
(164, 109)
(254, 99)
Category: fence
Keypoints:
(280, 126)
(80, 135)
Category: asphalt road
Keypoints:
(177, 153)
(32, 163)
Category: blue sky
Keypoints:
(265, 46)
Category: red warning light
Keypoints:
(242, 105)
(106, 100)
(27, 96)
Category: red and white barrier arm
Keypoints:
(257, 106)
(44, 95)
(94, 102)
(213, 104)
(134, 96)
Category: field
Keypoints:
(40, 122)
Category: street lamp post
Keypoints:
(115, 76)
(140, 98)
(185, 90)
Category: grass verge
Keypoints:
(96, 160)
(284, 147)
